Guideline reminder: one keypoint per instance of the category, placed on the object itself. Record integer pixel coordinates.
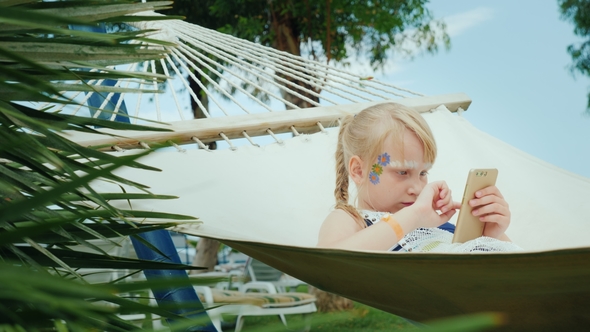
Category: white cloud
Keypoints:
(459, 23)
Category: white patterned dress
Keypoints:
(439, 239)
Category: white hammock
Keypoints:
(280, 193)
(269, 201)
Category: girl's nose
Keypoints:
(416, 187)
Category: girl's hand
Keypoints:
(490, 207)
(436, 196)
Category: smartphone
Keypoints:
(468, 226)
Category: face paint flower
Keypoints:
(383, 159)
(374, 177)
(377, 169)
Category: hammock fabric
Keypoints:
(541, 291)
(270, 201)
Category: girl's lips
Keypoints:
(407, 203)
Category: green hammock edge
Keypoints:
(534, 291)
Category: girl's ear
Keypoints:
(355, 167)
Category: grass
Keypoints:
(360, 318)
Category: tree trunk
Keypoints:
(206, 255)
(288, 40)
(328, 302)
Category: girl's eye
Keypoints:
(423, 173)
(402, 172)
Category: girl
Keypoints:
(387, 151)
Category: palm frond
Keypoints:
(52, 219)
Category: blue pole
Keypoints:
(159, 239)
(97, 98)
(162, 240)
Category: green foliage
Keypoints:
(48, 204)
(336, 29)
(578, 12)
(45, 177)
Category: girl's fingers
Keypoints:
(448, 206)
(491, 190)
(495, 224)
(444, 192)
(493, 208)
(486, 200)
(443, 202)
(448, 200)
(446, 216)
(494, 219)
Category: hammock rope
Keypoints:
(139, 95)
(296, 62)
(239, 78)
(295, 132)
(156, 95)
(176, 146)
(176, 102)
(186, 85)
(250, 139)
(270, 76)
(192, 53)
(245, 66)
(281, 62)
(295, 74)
(278, 140)
(200, 144)
(231, 146)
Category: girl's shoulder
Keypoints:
(342, 219)
(340, 214)
(337, 225)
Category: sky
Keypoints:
(511, 58)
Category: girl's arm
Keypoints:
(340, 230)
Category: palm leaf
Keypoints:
(28, 300)
(42, 232)
(48, 206)
(79, 259)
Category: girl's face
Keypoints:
(396, 177)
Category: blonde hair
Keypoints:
(364, 134)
